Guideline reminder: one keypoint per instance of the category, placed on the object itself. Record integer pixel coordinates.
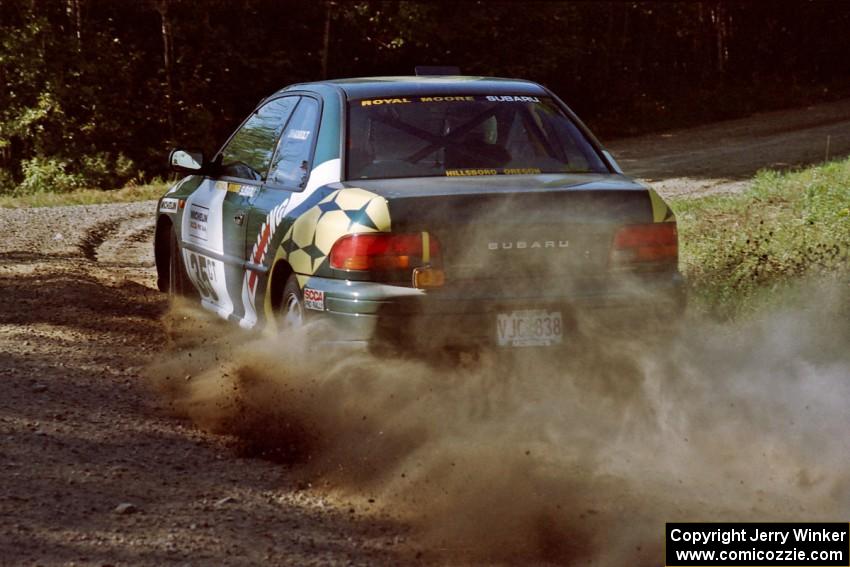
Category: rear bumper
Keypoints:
(372, 313)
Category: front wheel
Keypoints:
(178, 282)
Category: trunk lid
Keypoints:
(510, 233)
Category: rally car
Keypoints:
(416, 211)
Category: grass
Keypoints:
(85, 196)
(745, 251)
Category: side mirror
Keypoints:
(186, 162)
(613, 162)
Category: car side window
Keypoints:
(248, 153)
(291, 163)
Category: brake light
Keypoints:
(385, 251)
(656, 242)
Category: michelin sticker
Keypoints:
(314, 299)
(198, 216)
(168, 205)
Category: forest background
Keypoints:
(93, 93)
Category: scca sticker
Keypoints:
(314, 299)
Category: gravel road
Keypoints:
(95, 469)
(721, 157)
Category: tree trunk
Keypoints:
(167, 58)
(720, 19)
(73, 9)
(607, 47)
(326, 39)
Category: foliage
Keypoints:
(741, 251)
(7, 183)
(145, 192)
(98, 91)
(47, 175)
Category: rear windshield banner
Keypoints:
(444, 98)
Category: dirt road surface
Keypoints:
(95, 470)
(721, 157)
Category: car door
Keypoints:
(214, 235)
(288, 174)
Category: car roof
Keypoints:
(369, 87)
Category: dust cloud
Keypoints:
(573, 456)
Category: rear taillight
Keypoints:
(639, 243)
(385, 251)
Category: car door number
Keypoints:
(203, 272)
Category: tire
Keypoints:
(178, 282)
(291, 312)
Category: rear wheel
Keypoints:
(291, 312)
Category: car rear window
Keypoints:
(421, 136)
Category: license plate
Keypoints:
(529, 327)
